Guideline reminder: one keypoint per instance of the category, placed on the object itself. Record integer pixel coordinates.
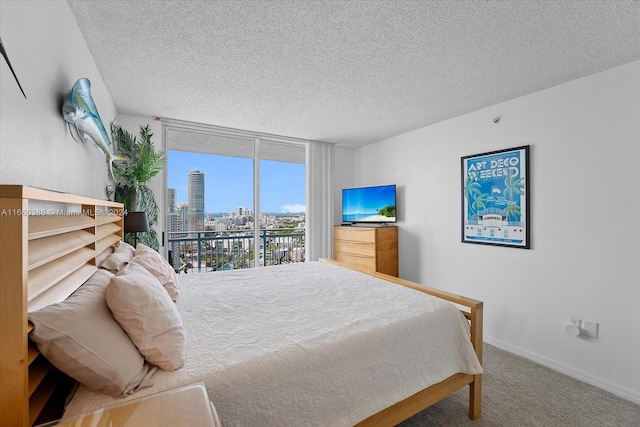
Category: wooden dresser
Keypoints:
(372, 248)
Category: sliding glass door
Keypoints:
(282, 197)
(235, 200)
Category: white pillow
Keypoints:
(155, 264)
(80, 337)
(122, 253)
(148, 315)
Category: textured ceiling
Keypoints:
(347, 72)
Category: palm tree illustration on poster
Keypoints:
(495, 198)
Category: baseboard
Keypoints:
(616, 389)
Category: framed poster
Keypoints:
(495, 198)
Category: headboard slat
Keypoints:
(106, 242)
(105, 230)
(46, 225)
(32, 352)
(43, 251)
(62, 289)
(48, 275)
(37, 371)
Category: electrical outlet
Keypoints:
(575, 321)
(590, 329)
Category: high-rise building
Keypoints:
(171, 200)
(196, 200)
(242, 211)
(173, 226)
(182, 211)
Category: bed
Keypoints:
(331, 377)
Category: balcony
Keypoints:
(204, 251)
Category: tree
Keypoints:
(132, 175)
(388, 211)
(472, 190)
(513, 186)
(478, 201)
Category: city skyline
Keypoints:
(282, 184)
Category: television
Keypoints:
(375, 205)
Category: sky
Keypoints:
(228, 182)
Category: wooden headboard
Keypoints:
(50, 243)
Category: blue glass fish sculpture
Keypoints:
(83, 120)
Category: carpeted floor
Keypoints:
(518, 392)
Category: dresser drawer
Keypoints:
(357, 248)
(366, 262)
(355, 234)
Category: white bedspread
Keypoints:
(308, 344)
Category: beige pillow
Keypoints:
(80, 337)
(122, 253)
(155, 264)
(145, 311)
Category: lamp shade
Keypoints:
(136, 222)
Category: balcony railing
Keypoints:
(200, 251)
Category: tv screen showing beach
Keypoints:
(369, 204)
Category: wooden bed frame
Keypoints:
(404, 409)
(51, 242)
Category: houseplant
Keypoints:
(132, 175)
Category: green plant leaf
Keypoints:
(142, 163)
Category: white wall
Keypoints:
(585, 255)
(48, 53)
(343, 178)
